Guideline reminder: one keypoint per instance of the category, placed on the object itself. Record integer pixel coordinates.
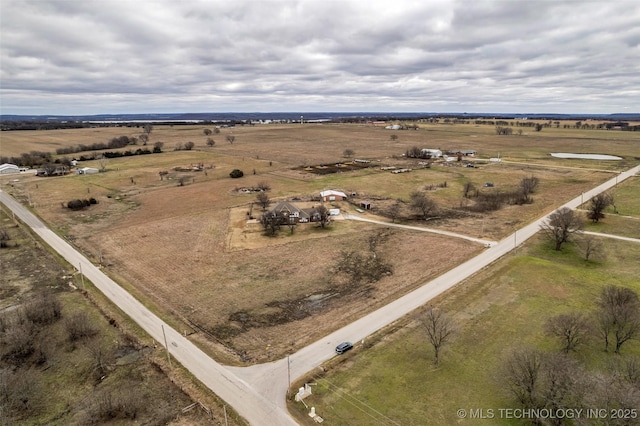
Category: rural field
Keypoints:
(393, 380)
(181, 241)
(108, 372)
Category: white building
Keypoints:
(434, 153)
(7, 168)
(87, 171)
(331, 195)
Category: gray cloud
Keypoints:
(67, 57)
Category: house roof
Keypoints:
(330, 192)
(285, 207)
(8, 166)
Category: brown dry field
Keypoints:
(190, 254)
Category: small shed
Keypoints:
(87, 171)
(366, 205)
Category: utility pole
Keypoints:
(288, 374)
(81, 275)
(166, 345)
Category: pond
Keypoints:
(585, 156)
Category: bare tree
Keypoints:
(527, 187)
(322, 215)
(561, 225)
(189, 146)
(597, 206)
(591, 247)
(102, 162)
(521, 371)
(348, 153)
(264, 186)
(394, 210)
(619, 315)
(439, 329)
(270, 222)
(571, 329)
(148, 128)
(210, 142)
(263, 199)
(424, 205)
(468, 188)
(4, 238)
(393, 137)
(144, 138)
(231, 139)
(207, 132)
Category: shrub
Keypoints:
(236, 173)
(75, 205)
(93, 201)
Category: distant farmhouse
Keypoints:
(433, 153)
(87, 171)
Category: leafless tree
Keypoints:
(571, 329)
(348, 153)
(618, 314)
(103, 162)
(323, 216)
(393, 137)
(561, 225)
(210, 142)
(271, 222)
(189, 146)
(157, 147)
(527, 187)
(148, 128)
(394, 210)
(4, 238)
(207, 132)
(263, 199)
(591, 247)
(424, 205)
(597, 206)
(144, 138)
(231, 139)
(102, 356)
(468, 188)
(439, 329)
(264, 186)
(521, 371)
(79, 326)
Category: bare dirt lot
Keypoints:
(189, 251)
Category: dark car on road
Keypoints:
(343, 347)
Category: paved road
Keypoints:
(259, 392)
(254, 407)
(271, 379)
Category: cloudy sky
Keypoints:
(121, 56)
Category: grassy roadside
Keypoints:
(503, 307)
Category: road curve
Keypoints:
(258, 393)
(241, 396)
(271, 379)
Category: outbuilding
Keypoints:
(332, 195)
(7, 168)
(87, 171)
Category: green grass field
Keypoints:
(395, 382)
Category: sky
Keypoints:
(67, 57)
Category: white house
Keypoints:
(394, 127)
(331, 195)
(7, 168)
(87, 171)
(434, 153)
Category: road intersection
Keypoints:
(258, 392)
